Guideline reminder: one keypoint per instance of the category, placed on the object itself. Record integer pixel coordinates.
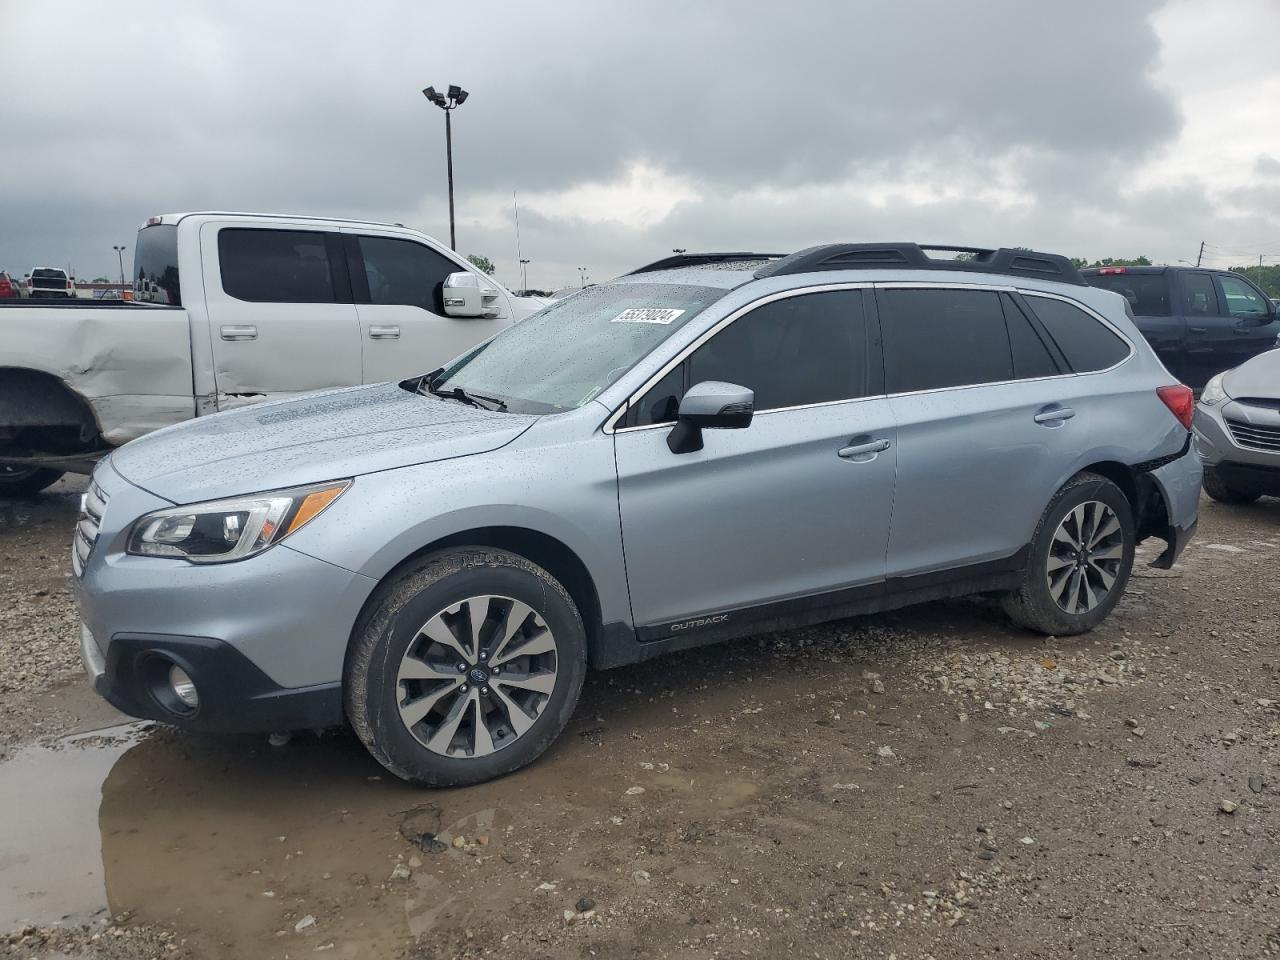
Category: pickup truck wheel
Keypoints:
(26, 481)
(465, 668)
(1081, 558)
(1223, 492)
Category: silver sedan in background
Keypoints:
(1237, 428)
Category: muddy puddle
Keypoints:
(253, 850)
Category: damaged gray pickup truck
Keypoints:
(231, 309)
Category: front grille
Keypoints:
(1252, 435)
(92, 504)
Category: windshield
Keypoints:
(567, 353)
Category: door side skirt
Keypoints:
(653, 640)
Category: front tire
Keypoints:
(26, 481)
(1223, 492)
(465, 667)
(1080, 561)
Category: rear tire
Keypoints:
(26, 481)
(465, 667)
(1081, 558)
(1223, 492)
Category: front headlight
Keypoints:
(1213, 392)
(223, 530)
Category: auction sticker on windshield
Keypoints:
(661, 315)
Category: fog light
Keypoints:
(184, 688)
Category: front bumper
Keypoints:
(264, 639)
(234, 695)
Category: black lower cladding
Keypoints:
(234, 695)
(1251, 477)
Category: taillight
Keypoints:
(1111, 271)
(1180, 401)
(68, 284)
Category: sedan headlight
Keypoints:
(223, 530)
(1213, 392)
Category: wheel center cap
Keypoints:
(479, 675)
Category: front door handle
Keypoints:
(864, 450)
(240, 332)
(1054, 415)
(384, 333)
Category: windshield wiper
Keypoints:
(476, 400)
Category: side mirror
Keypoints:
(710, 405)
(467, 295)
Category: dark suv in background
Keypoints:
(1200, 322)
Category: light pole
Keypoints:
(448, 102)
(524, 273)
(120, 258)
(582, 275)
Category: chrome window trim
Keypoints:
(610, 425)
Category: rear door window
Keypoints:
(1088, 344)
(405, 272)
(1240, 298)
(1199, 298)
(276, 266)
(1147, 293)
(943, 338)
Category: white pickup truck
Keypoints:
(230, 309)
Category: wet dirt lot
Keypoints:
(928, 783)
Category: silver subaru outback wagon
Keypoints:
(709, 447)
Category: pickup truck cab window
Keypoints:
(155, 265)
(1147, 293)
(404, 272)
(276, 266)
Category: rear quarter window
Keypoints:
(1087, 344)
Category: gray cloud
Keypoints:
(315, 108)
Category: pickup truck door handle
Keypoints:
(384, 333)
(1054, 414)
(240, 332)
(862, 449)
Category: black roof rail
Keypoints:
(701, 259)
(913, 256)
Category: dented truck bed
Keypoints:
(130, 365)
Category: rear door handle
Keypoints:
(384, 333)
(862, 449)
(1054, 415)
(240, 332)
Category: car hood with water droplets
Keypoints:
(323, 436)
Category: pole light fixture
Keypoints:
(679, 249)
(120, 259)
(448, 102)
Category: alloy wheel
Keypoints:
(477, 676)
(1085, 557)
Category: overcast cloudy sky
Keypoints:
(1088, 128)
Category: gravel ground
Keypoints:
(931, 783)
